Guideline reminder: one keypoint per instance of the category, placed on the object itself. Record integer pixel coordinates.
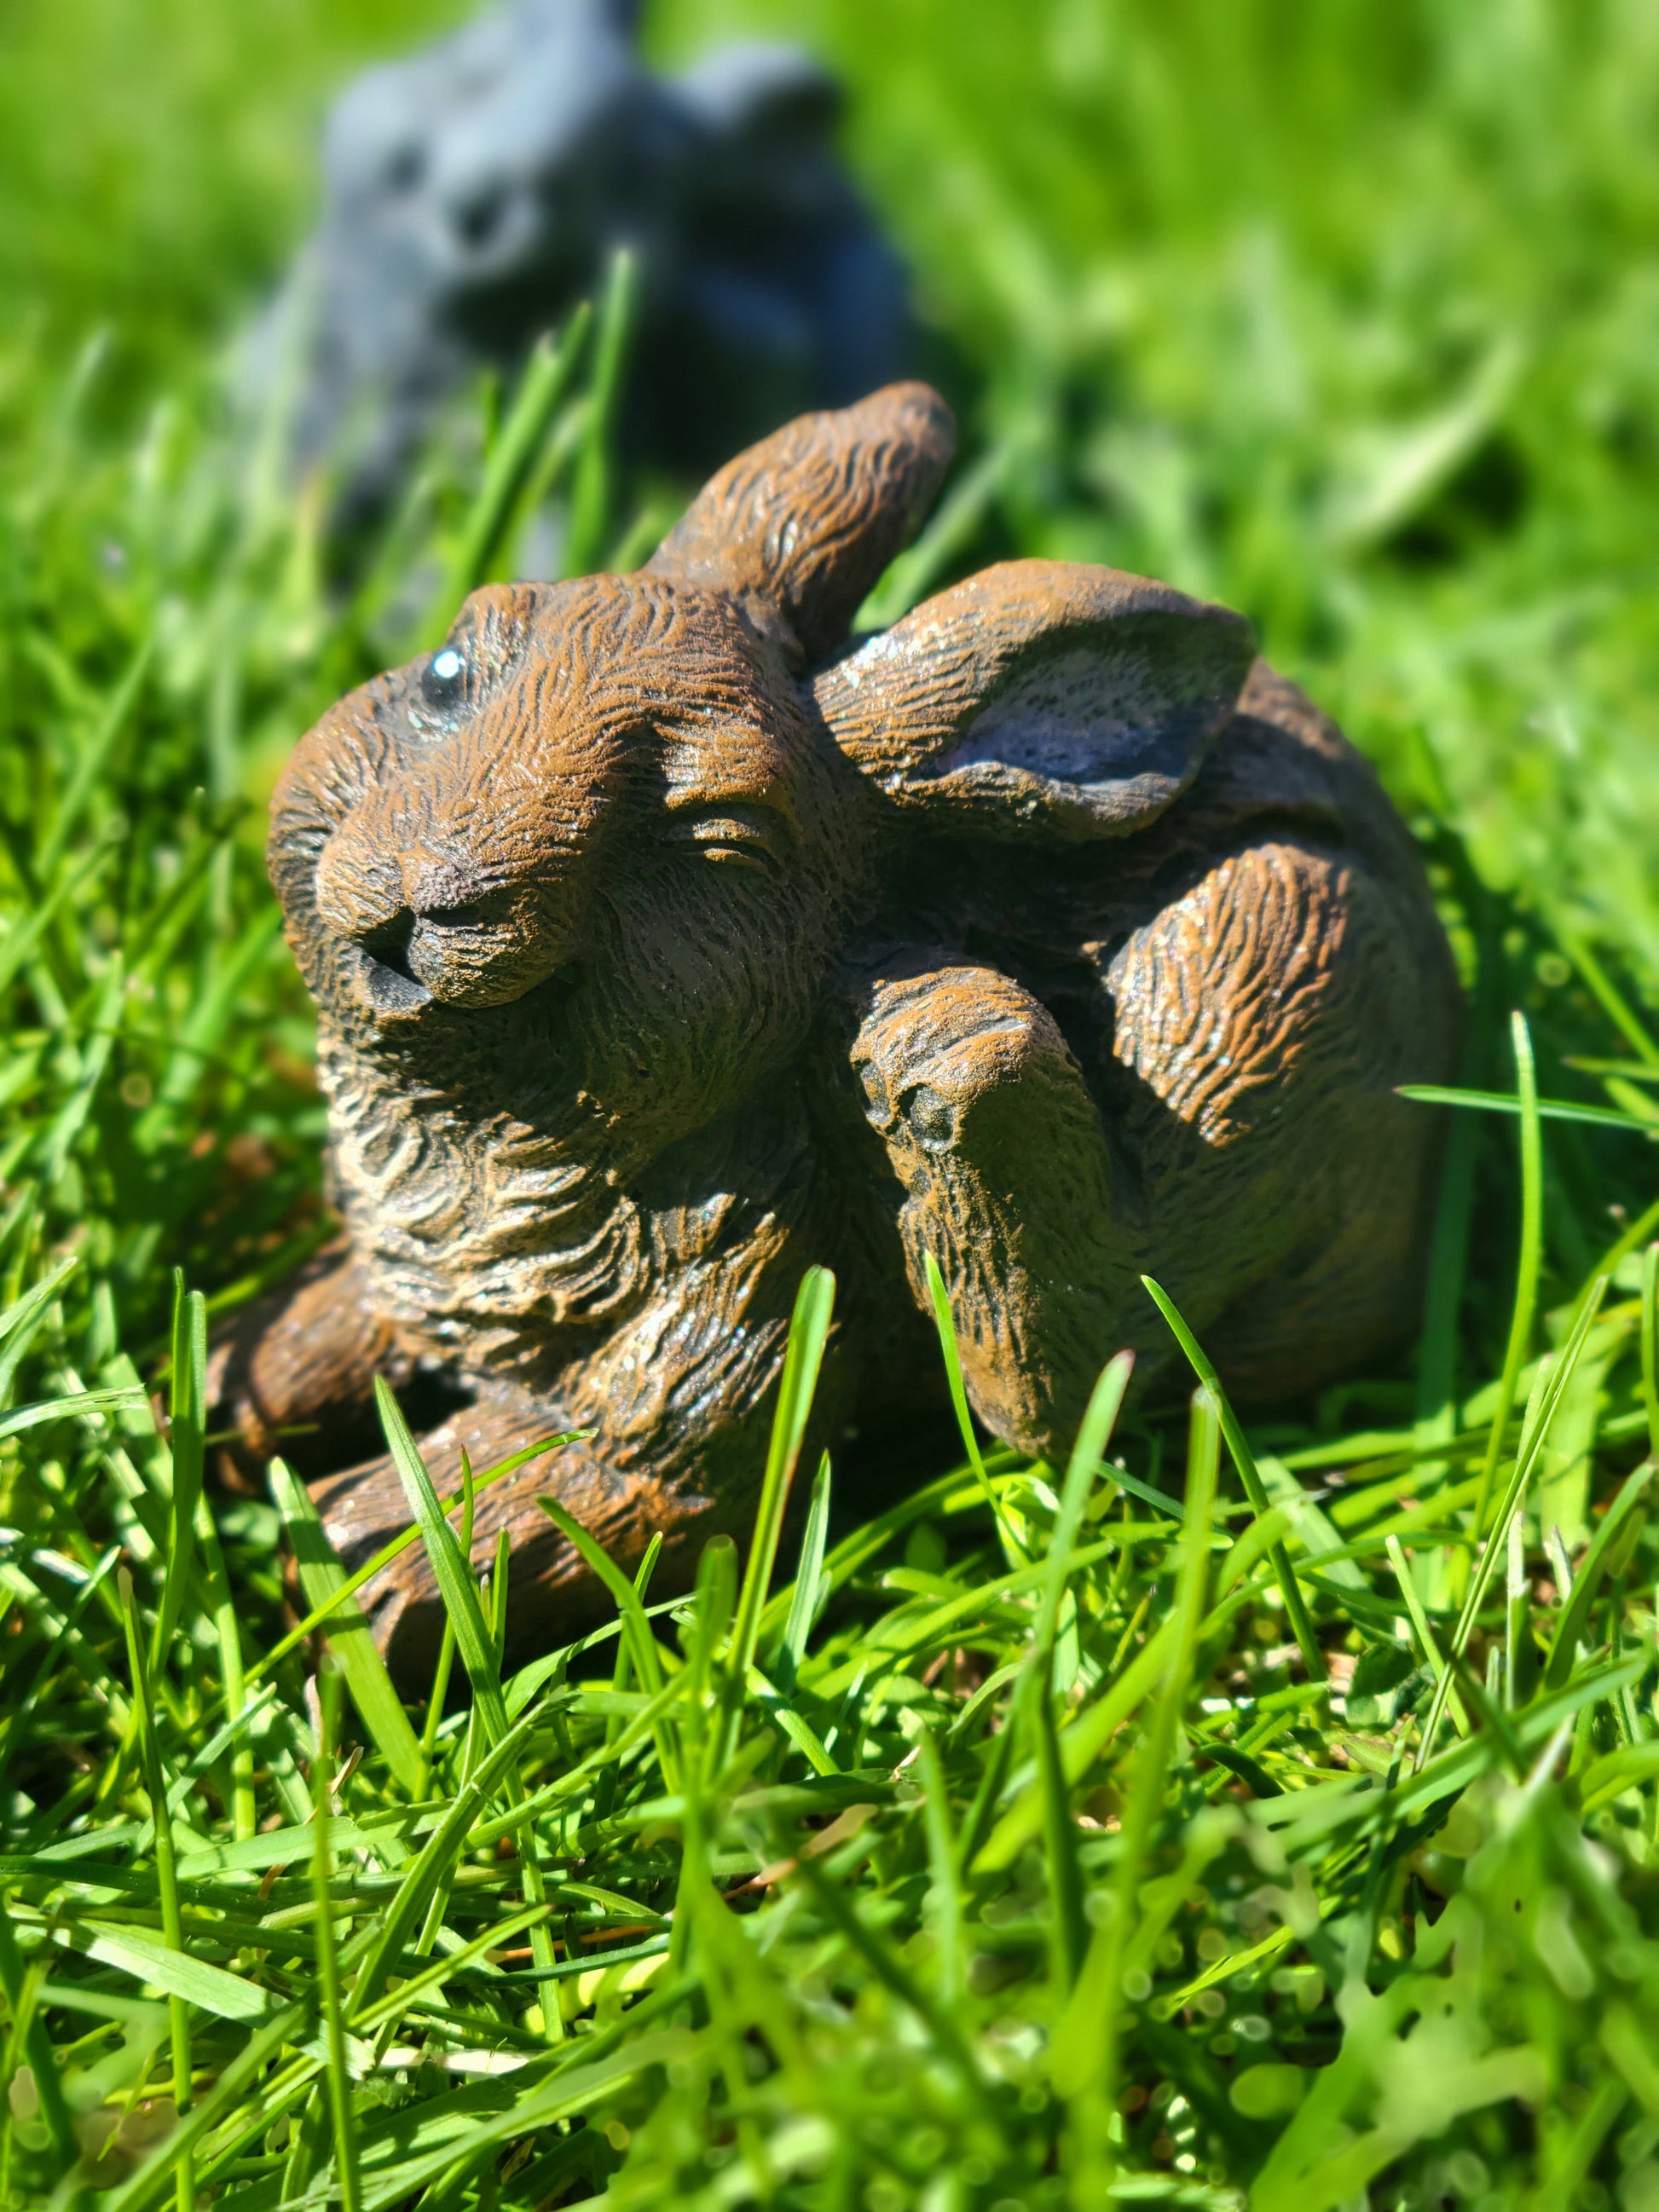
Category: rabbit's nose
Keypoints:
(365, 892)
(360, 890)
(488, 216)
(478, 216)
(437, 883)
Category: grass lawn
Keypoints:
(1220, 1817)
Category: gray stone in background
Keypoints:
(476, 191)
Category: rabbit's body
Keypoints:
(667, 948)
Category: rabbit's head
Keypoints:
(639, 804)
(501, 151)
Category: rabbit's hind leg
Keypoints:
(294, 1372)
(672, 1412)
(1261, 1022)
(365, 1507)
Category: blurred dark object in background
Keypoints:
(474, 192)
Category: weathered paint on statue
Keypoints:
(664, 943)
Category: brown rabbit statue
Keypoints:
(665, 940)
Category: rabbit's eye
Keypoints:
(404, 168)
(747, 836)
(443, 680)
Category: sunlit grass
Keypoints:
(1269, 1811)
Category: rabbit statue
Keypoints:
(665, 940)
(475, 190)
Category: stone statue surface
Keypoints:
(665, 940)
(474, 192)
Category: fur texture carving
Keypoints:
(663, 943)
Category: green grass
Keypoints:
(1009, 1848)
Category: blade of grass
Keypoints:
(961, 515)
(1546, 1110)
(701, 1917)
(347, 1632)
(222, 1608)
(151, 1960)
(593, 494)
(37, 2049)
(709, 1695)
(224, 1738)
(1068, 1927)
(637, 1640)
(420, 1877)
(499, 1578)
(1094, 1435)
(884, 1964)
(944, 1897)
(1527, 1269)
(446, 1660)
(1084, 2054)
(21, 1321)
(1433, 1656)
(1628, 1071)
(1533, 1443)
(636, 1629)
(1516, 1670)
(346, 2178)
(148, 2185)
(19, 1715)
(513, 456)
(1629, 1499)
(24, 936)
(804, 1600)
(173, 1927)
(1612, 1002)
(398, 1545)
(1435, 1409)
(945, 1322)
(186, 1393)
(1575, 2151)
(1249, 1475)
(945, 1494)
(93, 756)
(1650, 1344)
(809, 1331)
(1080, 1744)
(450, 1566)
(475, 1639)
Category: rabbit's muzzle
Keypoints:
(424, 928)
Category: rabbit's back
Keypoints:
(1281, 776)
(1242, 986)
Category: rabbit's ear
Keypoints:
(1041, 699)
(755, 91)
(799, 528)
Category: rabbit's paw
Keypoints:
(990, 1128)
